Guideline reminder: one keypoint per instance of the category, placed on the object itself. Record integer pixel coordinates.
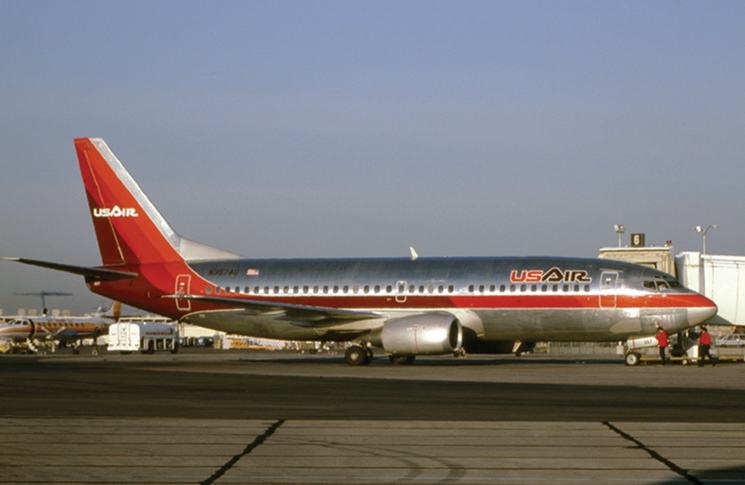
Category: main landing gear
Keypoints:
(362, 354)
(358, 355)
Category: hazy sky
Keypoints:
(304, 129)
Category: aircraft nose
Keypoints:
(704, 310)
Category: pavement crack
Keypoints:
(672, 466)
(252, 446)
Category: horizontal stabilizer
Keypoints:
(282, 311)
(96, 274)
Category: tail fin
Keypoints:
(129, 228)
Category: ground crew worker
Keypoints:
(662, 343)
(704, 344)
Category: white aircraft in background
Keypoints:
(29, 332)
(406, 306)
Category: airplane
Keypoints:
(407, 307)
(27, 331)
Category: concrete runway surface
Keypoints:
(256, 417)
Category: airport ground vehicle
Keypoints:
(683, 348)
(147, 337)
(731, 340)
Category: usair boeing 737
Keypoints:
(405, 306)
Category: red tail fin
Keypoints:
(129, 228)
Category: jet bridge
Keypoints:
(721, 278)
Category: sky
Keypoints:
(360, 128)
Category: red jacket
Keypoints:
(662, 339)
(705, 339)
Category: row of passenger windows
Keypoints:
(388, 290)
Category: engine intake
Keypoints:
(425, 334)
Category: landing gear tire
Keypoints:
(402, 359)
(632, 358)
(357, 355)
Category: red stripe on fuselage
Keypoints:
(527, 302)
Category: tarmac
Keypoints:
(258, 417)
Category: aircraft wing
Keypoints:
(99, 274)
(301, 315)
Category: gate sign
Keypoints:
(637, 240)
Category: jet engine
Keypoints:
(425, 334)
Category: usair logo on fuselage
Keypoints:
(554, 275)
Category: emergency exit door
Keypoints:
(183, 284)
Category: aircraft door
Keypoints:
(183, 284)
(608, 289)
(401, 291)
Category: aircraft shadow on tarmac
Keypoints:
(720, 476)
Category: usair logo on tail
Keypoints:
(114, 212)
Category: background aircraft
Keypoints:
(28, 332)
(407, 307)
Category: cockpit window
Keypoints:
(662, 284)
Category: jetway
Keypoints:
(721, 278)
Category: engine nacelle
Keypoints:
(426, 334)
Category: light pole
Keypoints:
(619, 230)
(700, 230)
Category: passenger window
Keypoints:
(502, 288)
(534, 288)
(451, 289)
(523, 287)
(336, 289)
(377, 289)
(470, 288)
(208, 290)
(544, 288)
(389, 289)
(367, 289)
